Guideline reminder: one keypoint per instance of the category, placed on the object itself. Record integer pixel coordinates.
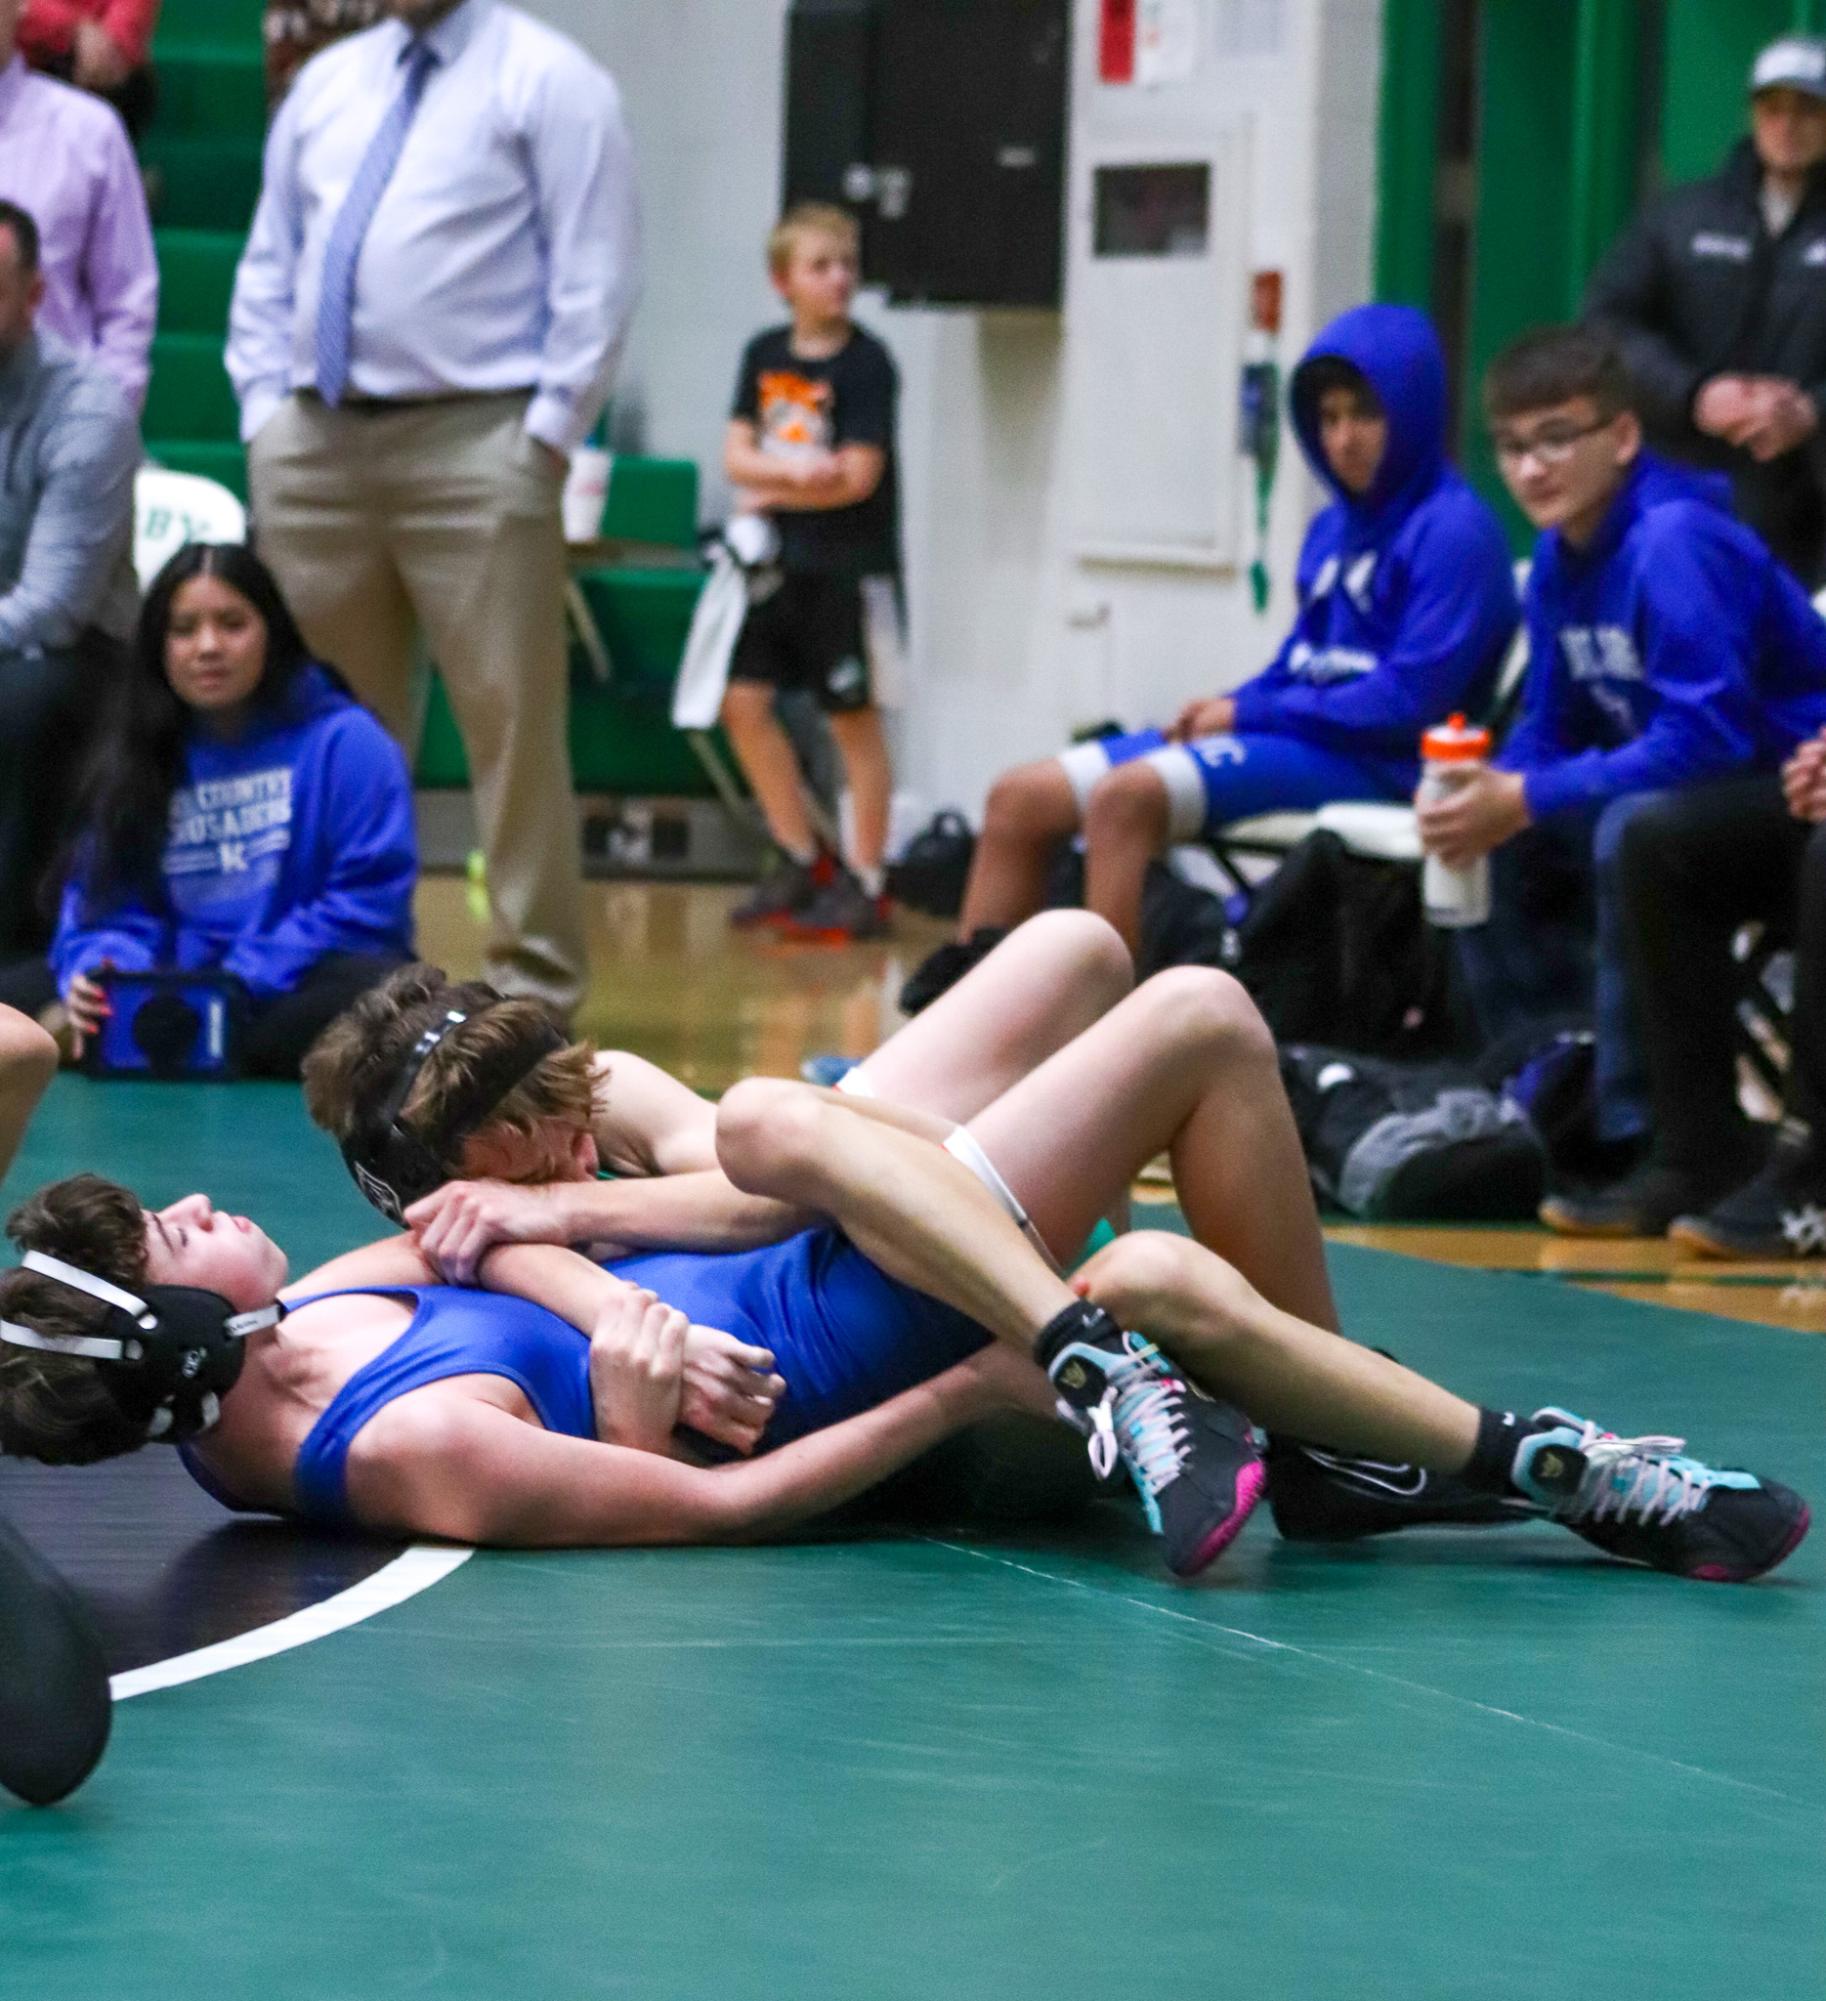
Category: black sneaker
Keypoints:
(940, 971)
(54, 1702)
(1193, 1460)
(782, 892)
(842, 913)
(1642, 1204)
(1318, 1496)
(1640, 1499)
(1779, 1213)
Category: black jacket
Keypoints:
(1697, 287)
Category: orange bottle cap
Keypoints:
(1455, 741)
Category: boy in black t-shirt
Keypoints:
(811, 443)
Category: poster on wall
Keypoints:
(1166, 41)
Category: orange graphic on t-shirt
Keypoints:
(795, 412)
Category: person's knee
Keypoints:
(768, 1136)
(1024, 804)
(1633, 834)
(747, 705)
(1090, 953)
(1129, 804)
(1210, 1015)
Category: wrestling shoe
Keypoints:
(1640, 1499)
(1318, 1496)
(938, 972)
(1192, 1459)
(842, 913)
(783, 891)
(55, 1709)
(1780, 1213)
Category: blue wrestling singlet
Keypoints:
(844, 1335)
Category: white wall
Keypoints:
(1020, 633)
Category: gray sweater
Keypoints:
(69, 448)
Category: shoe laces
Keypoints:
(1644, 1477)
(1140, 1421)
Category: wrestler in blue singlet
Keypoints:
(844, 1335)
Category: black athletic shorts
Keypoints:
(813, 632)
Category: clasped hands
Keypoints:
(1765, 415)
(651, 1369)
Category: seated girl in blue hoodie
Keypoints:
(242, 815)
(1406, 608)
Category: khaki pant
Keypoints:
(444, 518)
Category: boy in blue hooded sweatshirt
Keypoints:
(1666, 648)
(1406, 607)
(243, 817)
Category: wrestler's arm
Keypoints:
(728, 1388)
(471, 1472)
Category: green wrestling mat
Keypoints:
(1444, 1768)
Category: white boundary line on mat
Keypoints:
(422, 1566)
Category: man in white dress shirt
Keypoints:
(425, 323)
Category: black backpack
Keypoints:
(1412, 1142)
(1335, 948)
(932, 869)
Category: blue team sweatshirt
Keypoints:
(1407, 598)
(293, 842)
(1672, 648)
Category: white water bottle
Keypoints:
(1451, 753)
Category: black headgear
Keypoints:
(167, 1359)
(392, 1165)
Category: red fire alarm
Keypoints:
(1265, 302)
(1116, 42)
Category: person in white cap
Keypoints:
(1717, 296)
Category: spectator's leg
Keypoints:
(1690, 868)
(1620, 1077)
(473, 508)
(280, 1032)
(864, 751)
(1029, 811)
(316, 523)
(770, 764)
(1807, 1045)
(40, 706)
(1529, 967)
(1127, 823)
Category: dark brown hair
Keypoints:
(1553, 365)
(57, 1408)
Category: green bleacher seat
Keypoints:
(218, 89)
(652, 500)
(196, 279)
(206, 182)
(190, 396)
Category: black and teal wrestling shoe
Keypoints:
(1643, 1500)
(1319, 1496)
(1193, 1460)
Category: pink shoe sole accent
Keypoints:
(1716, 1573)
(1251, 1483)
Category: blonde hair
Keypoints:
(809, 218)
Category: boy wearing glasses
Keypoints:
(1666, 648)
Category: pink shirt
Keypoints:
(64, 158)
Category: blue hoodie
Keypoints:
(1672, 648)
(1407, 598)
(287, 845)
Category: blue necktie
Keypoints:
(341, 254)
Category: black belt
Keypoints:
(381, 406)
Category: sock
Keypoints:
(1499, 1437)
(804, 857)
(873, 880)
(1080, 1321)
